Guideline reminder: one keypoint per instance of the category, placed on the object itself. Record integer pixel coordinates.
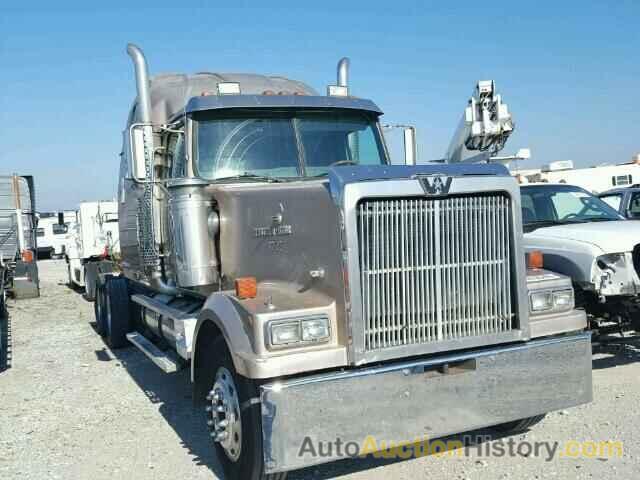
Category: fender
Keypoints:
(220, 309)
(241, 331)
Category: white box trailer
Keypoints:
(595, 179)
(92, 244)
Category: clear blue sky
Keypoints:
(569, 70)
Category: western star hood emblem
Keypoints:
(435, 185)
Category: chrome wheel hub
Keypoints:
(223, 408)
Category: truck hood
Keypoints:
(611, 237)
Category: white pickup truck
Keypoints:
(584, 238)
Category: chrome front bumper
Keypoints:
(423, 399)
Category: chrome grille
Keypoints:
(434, 269)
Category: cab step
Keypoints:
(166, 361)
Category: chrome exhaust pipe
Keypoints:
(160, 285)
(343, 72)
(142, 82)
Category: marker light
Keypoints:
(337, 91)
(246, 287)
(535, 259)
(228, 88)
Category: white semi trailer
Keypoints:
(93, 244)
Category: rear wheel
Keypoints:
(233, 418)
(116, 311)
(99, 308)
(90, 277)
(518, 426)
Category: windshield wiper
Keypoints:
(531, 226)
(252, 176)
(601, 219)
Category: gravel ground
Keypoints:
(72, 409)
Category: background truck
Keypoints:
(625, 200)
(317, 291)
(92, 244)
(584, 238)
(53, 234)
(18, 244)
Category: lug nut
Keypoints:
(210, 423)
(223, 423)
(220, 409)
(221, 436)
(208, 409)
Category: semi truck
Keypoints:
(92, 244)
(53, 234)
(18, 243)
(318, 293)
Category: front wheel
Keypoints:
(518, 426)
(116, 321)
(233, 417)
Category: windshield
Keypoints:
(288, 145)
(562, 204)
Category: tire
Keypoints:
(249, 464)
(90, 278)
(69, 280)
(99, 308)
(519, 426)
(116, 314)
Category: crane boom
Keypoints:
(484, 128)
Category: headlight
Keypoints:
(315, 330)
(551, 301)
(611, 261)
(285, 333)
(563, 299)
(541, 301)
(299, 332)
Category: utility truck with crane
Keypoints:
(314, 290)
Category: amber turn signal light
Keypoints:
(246, 287)
(535, 259)
(27, 256)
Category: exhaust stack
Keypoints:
(343, 72)
(142, 82)
(341, 89)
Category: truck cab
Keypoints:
(625, 200)
(315, 290)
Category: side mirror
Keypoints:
(60, 218)
(410, 148)
(140, 141)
